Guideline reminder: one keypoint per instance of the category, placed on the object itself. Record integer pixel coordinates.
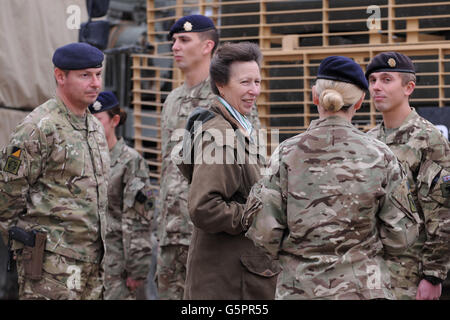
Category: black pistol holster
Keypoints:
(32, 252)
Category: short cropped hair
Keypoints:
(213, 35)
(227, 53)
(407, 77)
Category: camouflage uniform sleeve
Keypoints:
(21, 163)
(266, 209)
(138, 206)
(165, 133)
(434, 198)
(399, 226)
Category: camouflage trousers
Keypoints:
(63, 278)
(116, 289)
(171, 271)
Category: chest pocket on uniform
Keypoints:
(401, 198)
(434, 183)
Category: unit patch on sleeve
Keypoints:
(445, 186)
(13, 161)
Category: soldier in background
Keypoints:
(335, 202)
(53, 185)
(425, 155)
(194, 40)
(130, 208)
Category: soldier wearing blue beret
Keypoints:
(336, 203)
(425, 154)
(83, 62)
(343, 69)
(76, 56)
(106, 100)
(55, 169)
(130, 208)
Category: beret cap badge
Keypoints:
(391, 62)
(97, 105)
(187, 26)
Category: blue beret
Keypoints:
(76, 56)
(192, 23)
(390, 62)
(106, 100)
(343, 69)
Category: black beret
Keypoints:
(390, 62)
(192, 23)
(106, 100)
(343, 69)
(77, 56)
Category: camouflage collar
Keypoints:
(116, 151)
(329, 121)
(401, 134)
(199, 91)
(79, 123)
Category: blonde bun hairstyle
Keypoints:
(333, 95)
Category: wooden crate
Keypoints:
(278, 25)
(294, 37)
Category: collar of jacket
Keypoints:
(220, 109)
(211, 118)
(330, 121)
(199, 91)
(77, 122)
(241, 119)
(401, 134)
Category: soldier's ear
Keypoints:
(60, 75)
(409, 88)
(360, 101)
(208, 46)
(115, 120)
(315, 96)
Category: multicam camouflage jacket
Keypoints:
(54, 178)
(174, 224)
(130, 210)
(335, 201)
(425, 156)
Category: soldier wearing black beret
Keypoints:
(390, 62)
(130, 209)
(425, 154)
(192, 23)
(55, 169)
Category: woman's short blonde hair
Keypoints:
(333, 95)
